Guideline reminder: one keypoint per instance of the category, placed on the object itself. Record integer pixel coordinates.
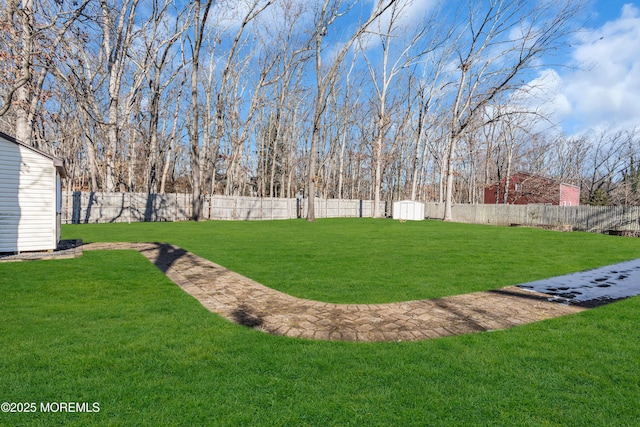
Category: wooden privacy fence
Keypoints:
(598, 219)
(94, 207)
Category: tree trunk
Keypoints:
(23, 128)
(377, 182)
(93, 169)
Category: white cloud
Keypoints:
(547, 88)
(409, 12)
(282, 12)
(406, 14)
(604, 91)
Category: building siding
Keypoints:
(27, 199)
(525, 189)
(569, 195)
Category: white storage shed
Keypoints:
(30, 197)
(408, 210)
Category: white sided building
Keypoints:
(30, 197)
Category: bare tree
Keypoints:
(173, 137)
(606, 154)
(280, 41)
(199, 20)
(230, 73)
(388, 33)
(117, 26)
(159, 35)
(628, 193)
(33, 34)
(324, 18)
(505, 135)
(502, 40)
(429, 94)
(21, 89)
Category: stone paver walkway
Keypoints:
(249, 303)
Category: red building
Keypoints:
(524, 189)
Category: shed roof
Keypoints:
(57, 163)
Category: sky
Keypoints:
(597, 85)
(600, 87)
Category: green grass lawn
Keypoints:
(374, 261)
(111, 328)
